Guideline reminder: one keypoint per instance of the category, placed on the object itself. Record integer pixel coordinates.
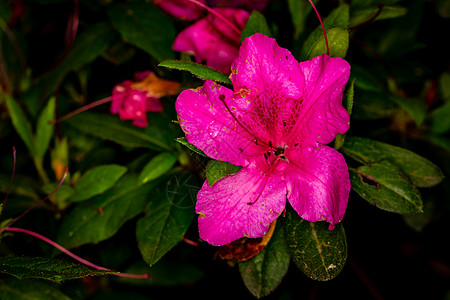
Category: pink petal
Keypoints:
(321, 114)
(270, 79)
(212, 40)
(182, 9)
(318, 183)
(209, 125)
(239, 205)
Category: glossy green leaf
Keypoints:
(157, 166)
(338, 41)
(218, 169)
(103, 216)
(419, 170)
(20, 122)
(319, 252)
(113, 129)
(387, 12)
(183, 141)
(338, 18)
(383, 185)
(169, 214)
(196, 69)
(256, 23)
(55, 270)
(97, 180)
(263, 273)
(44, 131)
(15, 289)
(145, 26)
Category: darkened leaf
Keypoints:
(263, 273)
(169, 214)
(16, 289)
(387, 12)
(55, 270)
(319, 252)
(20, 122)
(383, 185)
(44, 131)
(145, 26)
(419, 170)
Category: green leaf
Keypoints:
(113, 129)
(440, 121)
(319, 252)
(14, 289)
(383, 185)
(169, 214)
(256, 23)
(217, 169)
(196, 69)
(157, 166)
(20, 123)
(44, 131)
(338, 18)
(183, 141)
(373, 105)
(419, 170)
(444, 85)
(416, 108)
(338, 41)
(348, 104)
(263, 273)
(46, 268)
(105, 214)
(145, 26)
(97, 180)
(388, 12)
(300, 11)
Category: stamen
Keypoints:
(81, 109)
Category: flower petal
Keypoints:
(270, 79)
(206, 116)
(243, 204)
(212, 40)
(321, 114)
(318, 183)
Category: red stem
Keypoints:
(321, 24)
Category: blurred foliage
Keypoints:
(128, 200)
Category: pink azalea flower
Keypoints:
(275, 124)
(212, 40)
(132, 100)
(182, 9)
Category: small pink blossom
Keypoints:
(132, 100)
(275, 123)
(212, 40)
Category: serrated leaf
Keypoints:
(383, 185)
(96, 181)
(419, 170)
(105, 214)
(20, 122)
(256, 23)
(263, 273)
(217, 169)
(44, 131)
(196, 69)
(183, 141)
(113, 129)
(55, 270)
(338, 41)
(15, 289)
(145, 26)
(157, 166)
(318, 252)
(387, 12)
(338, 18)
(169, 214)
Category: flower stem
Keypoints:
(321, 24)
